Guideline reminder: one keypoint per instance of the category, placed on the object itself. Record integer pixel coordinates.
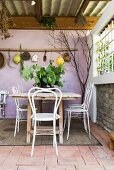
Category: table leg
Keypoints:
(40, 106)
(61, 122)
(29, 124)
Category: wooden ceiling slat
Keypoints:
(18, 7)
(100, 0)
(38, 9)
(64, 8)
(25, 8)
(14, 7)
(91, 6)
(55, 7)
(83, 7)
(46, 7)
(98, 8)
(69, 7)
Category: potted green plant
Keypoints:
(48, 22)
(44, 77)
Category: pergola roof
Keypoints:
(67, 12)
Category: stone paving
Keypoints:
(70, 157)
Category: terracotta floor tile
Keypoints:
(109, 167)
(89, 167)
(38, 151)
(11, 161)
(68, 154)
(8, 167)
(2, 159)
(70, 162)
(30, 161)
(17, 150)
(106, 162)
(98, 152)
(84, 149)
(50, 150)
(61, 168)
(5, 150)
(62, 148)
(51, 160)
(32, 168)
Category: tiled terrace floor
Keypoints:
(70, 157)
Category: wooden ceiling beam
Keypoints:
(38, 9)
(68, 24)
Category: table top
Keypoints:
(65, 95)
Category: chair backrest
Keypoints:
(19, 87)
(88, 95)
(30, 92)
(3, 95)
(57, 95)
(15, 90)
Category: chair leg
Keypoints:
(65, 119)
(88, 125)
(69, 121)
(84, 120)
(3, 110)
(18, 124)
(33, 141)
(15, 128)
(54, 137)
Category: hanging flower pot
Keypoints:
(60, 60)
(66, 57)
(2, 60)
(25, 56)
(17, 59)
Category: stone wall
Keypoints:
(105, 106)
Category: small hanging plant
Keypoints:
(48, 22)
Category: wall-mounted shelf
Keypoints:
(38, 50)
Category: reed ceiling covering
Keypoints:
(67, 12)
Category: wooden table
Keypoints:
(46, 96)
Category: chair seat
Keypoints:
(21, 109)
(75, 105)
(2, 103)
(45, 116)
(72, 109)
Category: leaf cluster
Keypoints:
(44, 77)
(48, 22)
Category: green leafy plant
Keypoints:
(44, 77)
(48, 22)
(103, 58)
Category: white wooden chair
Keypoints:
(3, 95)
(45, 117)
(80, 110)
(37, 106)
(20, 109)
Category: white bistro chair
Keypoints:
(45, 117)
(37, 105)
(20, 109)
(80, 110)
(3, 95)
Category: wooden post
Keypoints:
(61, 122)
(29, 124)
(111, 144)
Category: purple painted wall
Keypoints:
(11, 76)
